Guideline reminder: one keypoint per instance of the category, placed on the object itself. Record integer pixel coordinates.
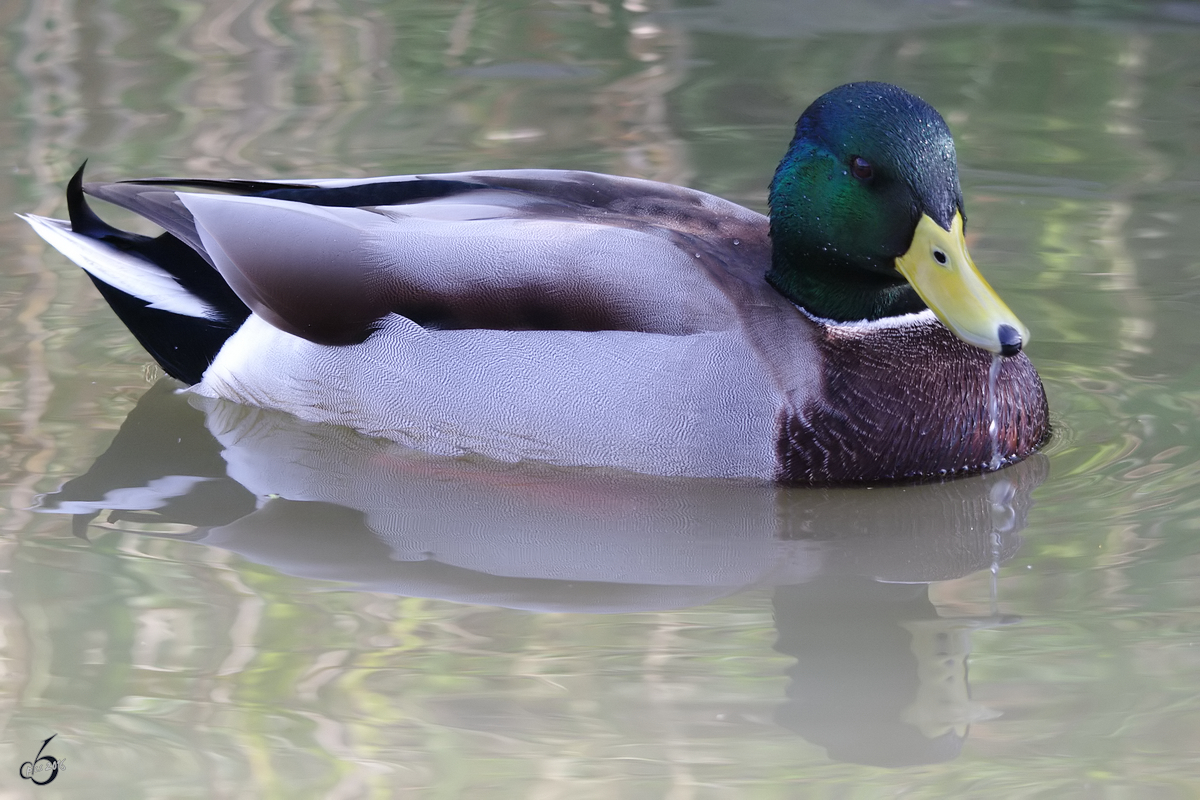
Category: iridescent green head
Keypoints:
(867, 218)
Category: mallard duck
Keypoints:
(587, 320)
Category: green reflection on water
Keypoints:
(175, 669)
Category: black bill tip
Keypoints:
(1010, 340)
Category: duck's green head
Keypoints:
(867, 218)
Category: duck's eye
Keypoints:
(861, 168)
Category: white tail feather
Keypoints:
(124, 271)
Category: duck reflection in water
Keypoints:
(880, 676)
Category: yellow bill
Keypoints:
(939, 268)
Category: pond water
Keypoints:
(204, 600)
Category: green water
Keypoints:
(267, 609)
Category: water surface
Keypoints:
(232, 604)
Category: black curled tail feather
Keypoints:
(182, 344)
